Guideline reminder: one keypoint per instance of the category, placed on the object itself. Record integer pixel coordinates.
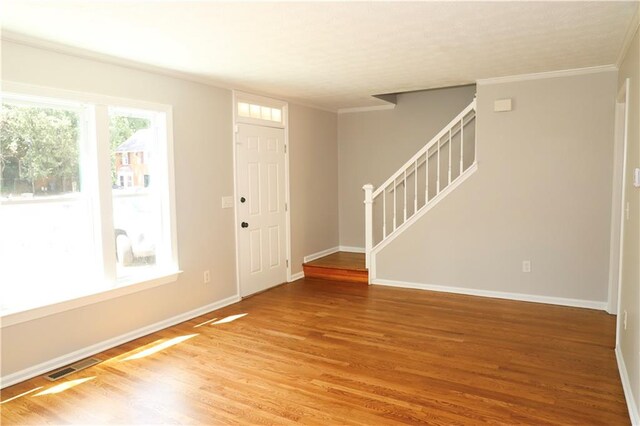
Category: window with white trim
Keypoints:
(75, 219)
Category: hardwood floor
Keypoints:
(341, 259)
(319, 352)
(340, 266)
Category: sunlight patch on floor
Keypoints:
(159, 346)
(21, 395)
(64, 386)
(204, 323)
(229, 319)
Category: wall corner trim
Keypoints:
(547, 74)
(88, 351)
(634, 414)
(576, 303)
(295, 277)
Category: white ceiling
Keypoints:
(335, 55)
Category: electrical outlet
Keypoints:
(526, 266)
(624, 320)
(207, 277)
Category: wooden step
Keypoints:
(340, 266)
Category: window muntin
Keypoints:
(56, 238)
(259, 112)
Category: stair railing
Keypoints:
(421, 182)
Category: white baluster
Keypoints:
(404, 188)
(449, 172)
(426, 188)
(395, 208)
(415, 187)
(461, 145)
(368, 221)
(384, 214)
(475, 134)
(438, 171)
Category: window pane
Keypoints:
(45, 220)
(266, 113)
(243, 109)
(276, 115)
(39, 151)
(137, 213)
(255, 111)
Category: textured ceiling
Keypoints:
(335, 55)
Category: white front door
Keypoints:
(260, 199)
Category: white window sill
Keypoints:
(128, 287)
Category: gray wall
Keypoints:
(202, 119)
(630, 283)
(373, 145)
(314, 182)
(542, 192)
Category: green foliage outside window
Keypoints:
(39, 152)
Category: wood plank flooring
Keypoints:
(340, 266)
(321, 352)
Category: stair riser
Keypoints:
(334, 274)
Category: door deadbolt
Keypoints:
(242, 199)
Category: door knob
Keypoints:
(244, 225)
(242, 199)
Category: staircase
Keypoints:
(446, 161)
(340, 266)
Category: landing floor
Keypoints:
(341, 260)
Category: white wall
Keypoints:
(373, 145)
(630, 283)
(203, 174)
(542, 192)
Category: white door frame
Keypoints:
(617, 209)
(237, 97)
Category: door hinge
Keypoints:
(286, 207)
(287, 262)
(285, 149)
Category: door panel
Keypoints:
(260, 179)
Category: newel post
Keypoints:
(368, 222)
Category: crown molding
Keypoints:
(366, 109)
(547, 74)
(65, 49)
(631, 32)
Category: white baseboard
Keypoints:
(297, 276)
(352, 249)
(320, 254)
(628, 392)
(61, 361)
(579, 303)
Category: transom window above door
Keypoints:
(260, 112)
(254, 109)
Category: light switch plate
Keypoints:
(227, 202)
